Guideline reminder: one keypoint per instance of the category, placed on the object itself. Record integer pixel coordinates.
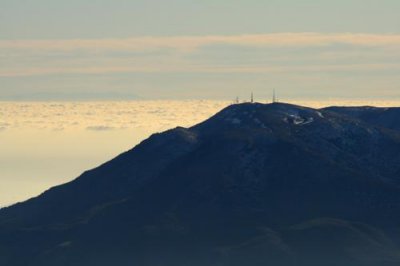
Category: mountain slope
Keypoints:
(380, 116)
(255, 184)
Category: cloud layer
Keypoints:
(206, 67)
(172, 54)
(189, 43)
(147, 116)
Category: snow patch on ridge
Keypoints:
(298, 120)
(320, 114)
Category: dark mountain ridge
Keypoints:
(380, 116)
(255, 184)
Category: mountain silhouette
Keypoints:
(256, 184)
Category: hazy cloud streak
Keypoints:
(192, 42)
(199, 69)
(178, 65)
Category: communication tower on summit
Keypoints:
(274, 96)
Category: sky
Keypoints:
(219, 49)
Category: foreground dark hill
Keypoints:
(255, 184)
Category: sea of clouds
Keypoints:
(150, 116)
(102, 116)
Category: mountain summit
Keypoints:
(256, 184)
